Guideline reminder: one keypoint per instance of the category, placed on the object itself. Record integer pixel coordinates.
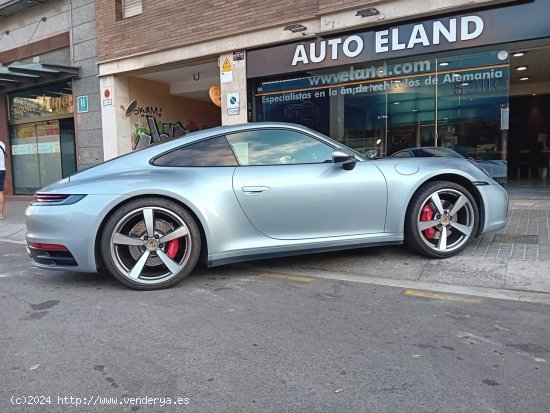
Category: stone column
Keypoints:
(236, 83)
(117, 128)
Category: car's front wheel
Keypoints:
(150, 243)
(441, 220)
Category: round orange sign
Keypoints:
(215, 95)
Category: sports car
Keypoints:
(252, 191)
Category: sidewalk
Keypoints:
(12, 227)
(516, 258)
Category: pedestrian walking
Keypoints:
(3, 157)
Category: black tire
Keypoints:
(449, 225)
(150, 243)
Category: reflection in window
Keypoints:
(210, 152)
(402, 154)
(444, 100)
(278, 147)
(50, 100)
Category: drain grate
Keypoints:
(516, 239)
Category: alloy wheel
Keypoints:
(446, 221)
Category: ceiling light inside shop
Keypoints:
(415, 110)
(444, 64)
(521, 68)
(396, 103)
(464, 84)
(518, 54)
(524, 78)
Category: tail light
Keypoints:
(56, 199)
(49, 247)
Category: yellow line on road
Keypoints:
(286, 277)
(441, 296)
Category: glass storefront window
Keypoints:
(451, 100)
(36, 156)
(41, 136)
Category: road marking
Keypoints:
(286, 277)
(483, 292)
(469, 336)
(441, 296)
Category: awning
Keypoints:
(11, 7)
(19, 76)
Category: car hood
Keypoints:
(431, 166)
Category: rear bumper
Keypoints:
(73, 226)
(51, 258)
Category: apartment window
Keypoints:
(131, 8)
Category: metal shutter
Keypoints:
(131, 8)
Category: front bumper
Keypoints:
(495, 207)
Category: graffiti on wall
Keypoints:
(155, 132)
(143, 111)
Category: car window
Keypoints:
(278, 147)
(402, 154)
(209, 152)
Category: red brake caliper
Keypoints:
(427, 215)
(172, 249)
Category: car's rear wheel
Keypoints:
(441, 220)
(150, 243)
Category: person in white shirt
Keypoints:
(3, 157)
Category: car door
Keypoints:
(289, 188)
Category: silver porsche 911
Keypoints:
(252, 191)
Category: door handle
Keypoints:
(255, 189)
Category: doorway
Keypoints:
(42, 153)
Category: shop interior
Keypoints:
(491, 104)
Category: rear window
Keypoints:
(209, 152)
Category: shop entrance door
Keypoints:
(36, 156)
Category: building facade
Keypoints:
(50, 116)
(376, 75)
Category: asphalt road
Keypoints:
(232, 339)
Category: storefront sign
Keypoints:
(470, 27)
(461, 31)
(32, 104)
(82, 104)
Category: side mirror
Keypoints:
(344, 159)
